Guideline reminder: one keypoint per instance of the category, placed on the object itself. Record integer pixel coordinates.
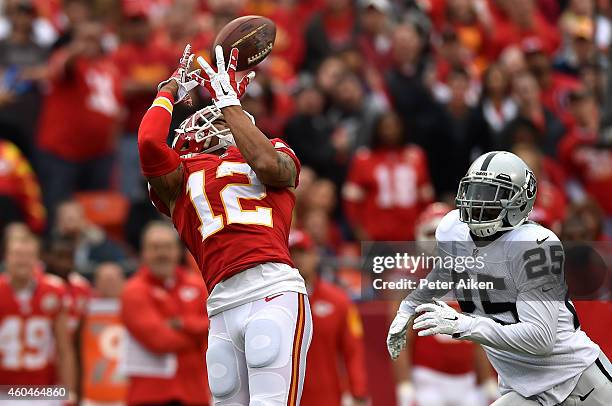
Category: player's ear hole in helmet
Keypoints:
(496, 194)
(205, 131)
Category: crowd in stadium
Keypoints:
(385, 102)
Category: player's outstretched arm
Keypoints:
(533, 334)
(273, 168)
(161, 164)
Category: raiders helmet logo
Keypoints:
(531, 184)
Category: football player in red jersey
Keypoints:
(387, 184)
(229, 192)
(60, 262)
(34, 337)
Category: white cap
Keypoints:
(381, 5)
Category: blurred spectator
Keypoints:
(76, 12)
(20, 197)
(468, 137)
(452, 56)
(43, 33)
(79, 119)
(320, 218)
(496, 108)
(338, 334)
(92, 244)
(387, 185)
(329, 72)
(550, 205)
(33, 320)
(580, 48)
(59, 259)
(434, 369)
(22, 68)
(333, 28)
(102, 337)
(142, 65)
(584, 222)
(549, 129)
(404, 79)
(554, 86)
(168, 365)
(470, 22)
(584, 154)
(512, 61)
(374, 40)
(310, 134)
(354, 112)
(518, 20)
(108, 280)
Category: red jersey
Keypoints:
(27, 343)
(550, 206)
(148, 63)
(81, 108)
(227, 218)
(589, 163)
(79, 291)
(443, 354)
(386, 190)
(338, 335)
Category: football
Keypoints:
(252, 35)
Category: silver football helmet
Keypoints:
(496, 194)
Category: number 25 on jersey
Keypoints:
(230, 197)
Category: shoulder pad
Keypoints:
(77, 279)
(531, 232)
(53, 280)
(451, 228)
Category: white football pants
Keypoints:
(257, 351)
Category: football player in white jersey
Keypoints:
(528, 328)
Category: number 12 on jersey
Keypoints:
(230, 197)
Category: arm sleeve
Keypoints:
(353, 352)
(140, 319)
(534, 334)
(156, 157)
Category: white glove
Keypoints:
(180, 76)
(222, 85)
(404, 394)
(440, 318)
(396, 339)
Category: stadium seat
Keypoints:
(106, 209)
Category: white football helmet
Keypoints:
(196, 132)
(496, 194)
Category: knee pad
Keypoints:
(262, 342)
(221, 362)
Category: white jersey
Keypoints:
(528, 329)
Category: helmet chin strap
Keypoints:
(486, 229)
